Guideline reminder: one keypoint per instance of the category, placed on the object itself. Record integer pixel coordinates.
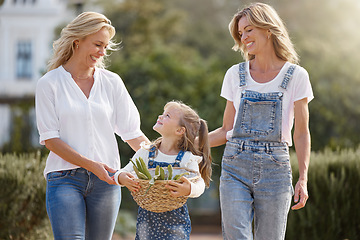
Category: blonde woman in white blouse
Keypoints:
(79, 107)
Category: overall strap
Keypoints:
(242, 74)
(152, 157)
(288, 76)
(179, 158)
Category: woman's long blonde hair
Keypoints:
(85, 24)
(265, 17)
(194, 127)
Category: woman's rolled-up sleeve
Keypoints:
(46, 117)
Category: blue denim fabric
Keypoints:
(80, 205)
(170, 225)
(260, 118)
(256, 182)
(256, 178)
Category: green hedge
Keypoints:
(22, 195)
(331, 213)
(332, 210)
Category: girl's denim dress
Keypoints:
(171, 225)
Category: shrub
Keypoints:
(22, 198)
(332, 210)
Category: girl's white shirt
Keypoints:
(85, 124)
(298, 88)
(189, 161)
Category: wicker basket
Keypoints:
(158, 198)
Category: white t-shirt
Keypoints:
(189, 161)
(85, 124)
(299, 87)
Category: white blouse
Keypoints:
(86, 124)
(189, 161)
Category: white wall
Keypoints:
(30, 21)
(33, 21)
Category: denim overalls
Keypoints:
(256, 179)
(171, 225)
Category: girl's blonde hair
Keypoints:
(194, 127)
(265, 17)
(85, 24)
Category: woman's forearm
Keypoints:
(303, 148)
(217, 137)
(63, 150)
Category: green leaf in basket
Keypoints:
(177, 177)
(162, 174)
(170, 171)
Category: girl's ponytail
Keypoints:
(204, 148)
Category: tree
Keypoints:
(181, 50)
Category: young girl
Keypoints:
(178, 126)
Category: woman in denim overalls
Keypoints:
(264, 96)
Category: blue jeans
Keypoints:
(255, 183)
(80, 205)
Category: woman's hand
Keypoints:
(182, 188)
(129, 181)
(101, 171)
(301, 194)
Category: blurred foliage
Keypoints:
(157, 66)
(21, 128)
(22, 197)
(331, 211)
(325, 35)
(125, 224)
(181, 50)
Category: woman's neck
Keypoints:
(76, 71)
(266, 61)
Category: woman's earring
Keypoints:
(77, 45)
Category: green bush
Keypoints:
(22, 196)
(332, 211)
(126, 223)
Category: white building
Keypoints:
(27, 30)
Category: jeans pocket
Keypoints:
(231, 150)
(52, 176)
(280, 156)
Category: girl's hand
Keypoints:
(182, 188)
(129, 181)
